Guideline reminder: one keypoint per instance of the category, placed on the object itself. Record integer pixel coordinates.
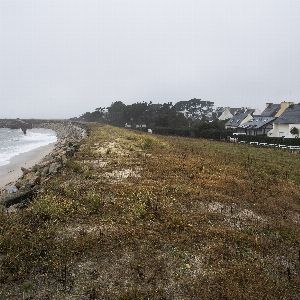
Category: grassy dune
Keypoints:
(137, 216)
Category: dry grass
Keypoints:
(136, 216)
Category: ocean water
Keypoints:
(14, 142)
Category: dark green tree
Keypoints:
(294, 131)
(116, 113)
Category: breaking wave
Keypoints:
(14, 142)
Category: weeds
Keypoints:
(146, 144)
(135, 216)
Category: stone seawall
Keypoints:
(66, 131)
(69, 135)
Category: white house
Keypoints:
(285, 124)
(227, 113)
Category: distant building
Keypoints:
(275, 110)
(258, 125)
(263, 124)
(218, 112)
(229, 112)
(287, 121)
(271, 110)
(239, 119)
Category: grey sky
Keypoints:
(60, 58)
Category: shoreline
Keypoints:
(18, 186)
(11, 172)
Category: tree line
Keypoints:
(194, 117)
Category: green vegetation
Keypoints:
(183, 114)
(138, 216)
(295, 131)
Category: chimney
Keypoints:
(283, 106)
(286, 104)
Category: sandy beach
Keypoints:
(11, 172)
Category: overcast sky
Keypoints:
(60, 58)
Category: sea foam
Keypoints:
(14, 142)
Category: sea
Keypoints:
(13, 142)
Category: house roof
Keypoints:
(236, 120)
(219, 111)
(257, 122)
(235, 111)
(232, 110)
(271, 110)
(290, 116)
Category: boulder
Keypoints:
(18, 184)
(12, 209)
(38, 173)
(36, 168)
(54, 168)
(33, 180)
(22, 182)
(11, 189)
(45, 171)
(25, 171)
(15, 198)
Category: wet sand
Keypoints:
(12, 171)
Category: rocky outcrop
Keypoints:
(19, 198)
(69, 137)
